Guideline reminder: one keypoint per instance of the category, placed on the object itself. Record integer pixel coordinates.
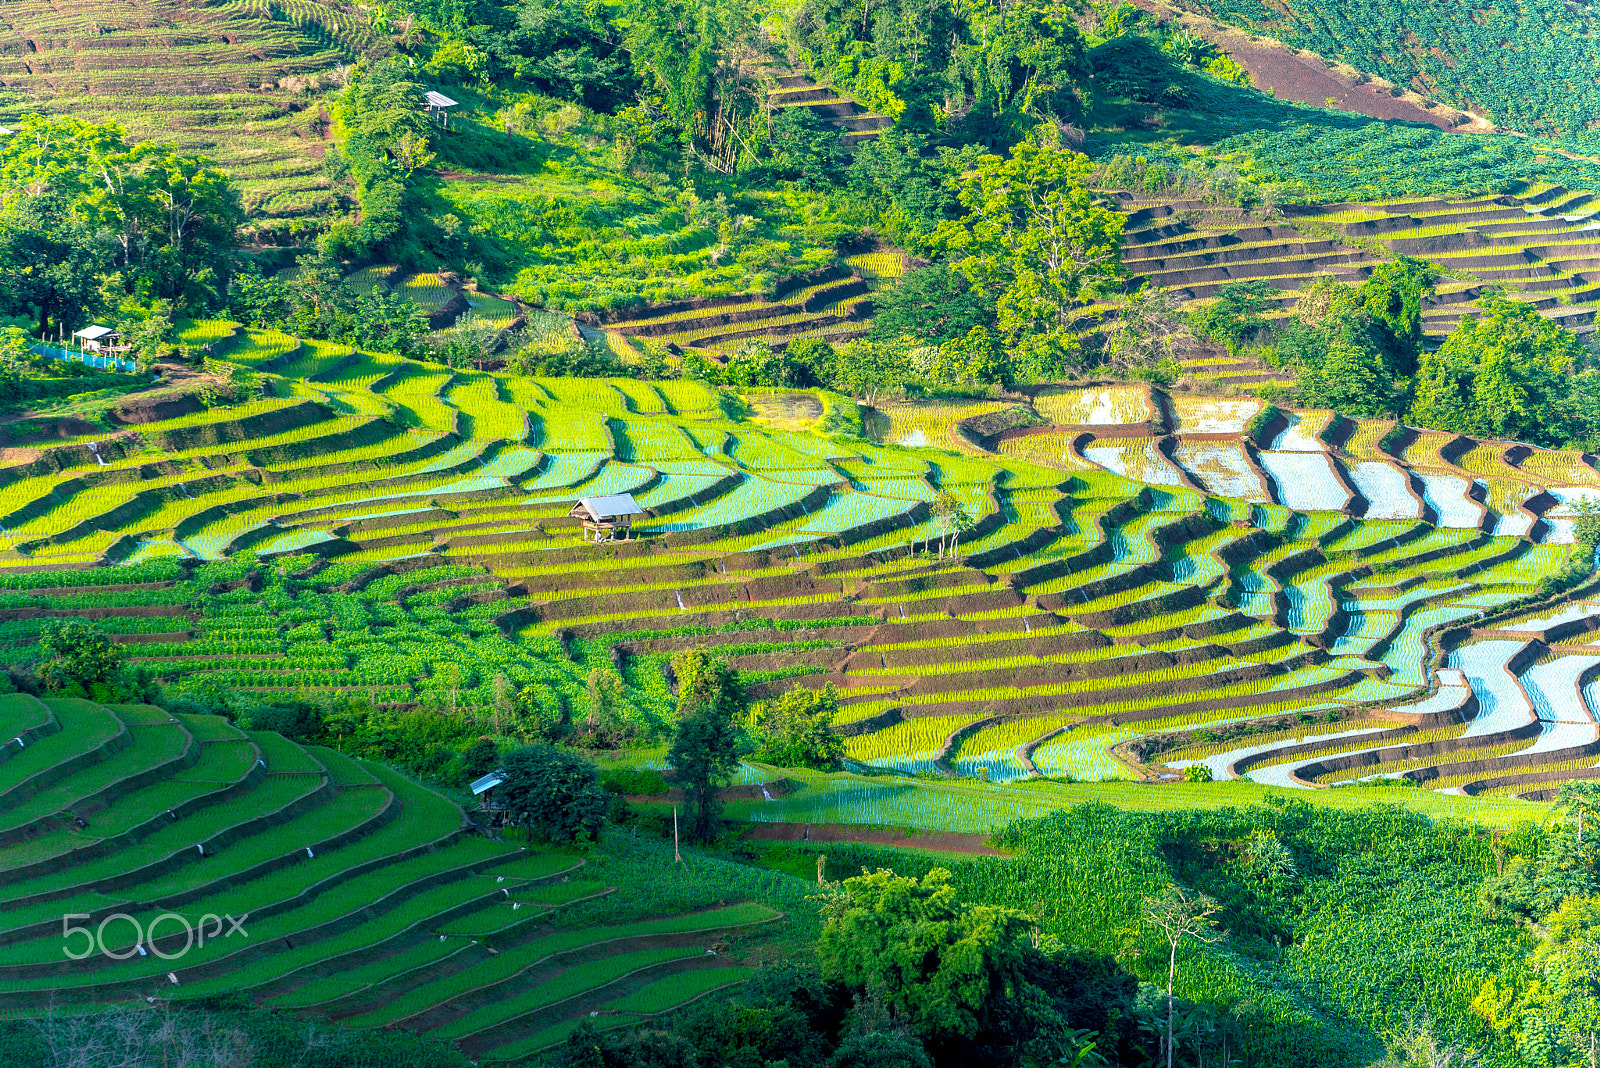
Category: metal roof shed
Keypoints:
(437, 103)
(488, 782)
(607, 516)
(99, 338)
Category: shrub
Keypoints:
(796, 729)
(478, 760)
(297, 720)
(75, 652)
(554, 793)
(634, 781)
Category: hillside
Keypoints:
(822, 534)
(1538, 247)
(363, 897)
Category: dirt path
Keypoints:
(458, 176)
(871, 834)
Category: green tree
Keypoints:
(1234, 316)
(813, 360)
(478, 760)
(1507, 373)
(932, 304)
(386, 128)
(947, 968)
(316, 303)
(1350, 378)
(870, 369)
(755, 364)
(705, 744)
(605, 725)
(51, 262)
(795, 729)
(1581, 798)
(705, 682)
(1034, 235)
(541, 711)
(1570, 960)
(300, 721)
(554, 793)
(150, 337)
(906, 189)
(16, 349)
(1393, 295)
(1561, 999)
(162, 224)
(976, 358)
(75, 651)
(879, 1049)
(950, 521)
(1034, 62)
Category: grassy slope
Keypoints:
(970, 806)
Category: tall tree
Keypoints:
(1034, 235)
(75, 651)
(162, 224)
(1393, 295)
(795, 729)
(931, 304)
(51, 262)
(1181, 916)
(705, 745)
(554, 793)
(1234, 315)
(950, 969)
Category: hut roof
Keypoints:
(611, 506)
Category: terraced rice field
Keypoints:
(1540, 248)
(360, 895)
(855, 122)
(1165, 578)
(833, 304)
(226, 81)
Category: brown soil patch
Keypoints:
(1308, 80)
(867, 834)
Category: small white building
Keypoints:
(439, 104)
(99, 338)
(606, 517)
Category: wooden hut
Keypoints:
(438, 105)
(606, 517)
